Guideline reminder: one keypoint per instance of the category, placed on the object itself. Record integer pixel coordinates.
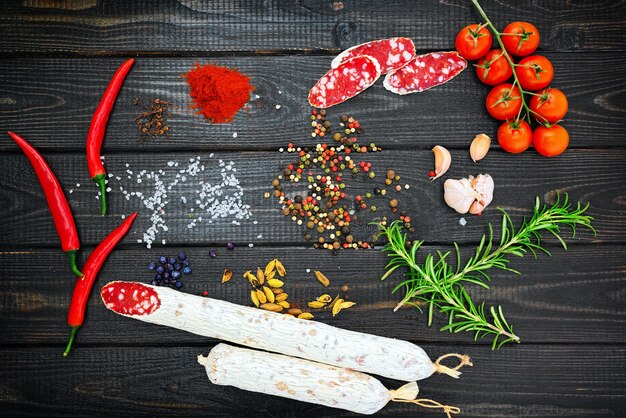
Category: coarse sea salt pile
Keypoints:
(202, 196)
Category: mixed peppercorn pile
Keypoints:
(327, 209)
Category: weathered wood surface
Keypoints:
(532, 380)
(51, 101)
(208, 27)
(57, 57)
(567, 298)
(594, 176)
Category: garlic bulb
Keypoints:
(469, 195)
(442, 161)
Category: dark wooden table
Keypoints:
(57, 56)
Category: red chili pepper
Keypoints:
(59, 208)
(83, 285)
(98, 129)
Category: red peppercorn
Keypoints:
(431, 174)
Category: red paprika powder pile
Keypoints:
(218, 92)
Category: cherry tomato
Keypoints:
(550, 141)
(504, 101)
(473, 41)
(550, 106)
(493, 68)
(515, 136)
(534, 72)
(520, 38)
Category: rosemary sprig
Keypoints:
(439, 285)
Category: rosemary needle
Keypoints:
(439, 285)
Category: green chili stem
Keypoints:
(71, 255)
(69, 343)
(101, 180)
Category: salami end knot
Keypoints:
(453, 372)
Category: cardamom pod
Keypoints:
(251, 278)
(316, 305)
(280, 268)
(269, 294)
(337, 306)
(228, 274)
(305, 315)
(321, 278)
(345, 305)
(284, 304)
(261, 296)
(281, 296)
(270, 267)
(294, 311)
(270, 275)
(275, 283)
(277, 291)
(255, 300)
(325, 298)
(260, 276)
(271, 307)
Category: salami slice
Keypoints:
(425, 72)
(128, 298)
(391, 53)
(344, 82)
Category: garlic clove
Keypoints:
(458, 194)
(443, 159)
(479, 147)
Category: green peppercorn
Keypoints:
(372, 174)
(373, 208)
(368, 195)
(337, 136)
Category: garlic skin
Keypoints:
(469, 195)
(443, 159)
(483, 185)
(479, 147)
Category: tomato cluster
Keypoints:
(532, 75)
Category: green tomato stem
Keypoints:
(498, 36)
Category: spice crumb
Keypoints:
(278, 107)
(462, 221)
(234, 134)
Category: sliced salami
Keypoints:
(425, 72)
(128, 298)
(344, 82)
(391, 53)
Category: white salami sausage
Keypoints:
(298, 379)
(270, 331)
(344, 82)
(391, 54)
(425, 72)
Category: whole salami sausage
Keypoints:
(345, 81)
(271, 331)
(306, 381)
(425, 72)
(391, 53)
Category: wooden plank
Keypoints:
(51, 102)
(166, 27)
(594, 176)
(573, 297)
(541, 380)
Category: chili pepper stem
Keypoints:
(71, 255)
(69, 343)
(100, 179)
